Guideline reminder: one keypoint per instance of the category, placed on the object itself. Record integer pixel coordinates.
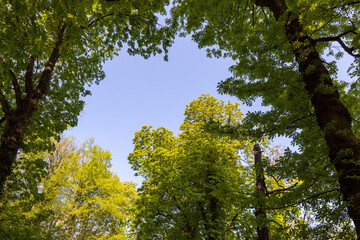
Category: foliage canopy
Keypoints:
(50, 51)
(282, 50)
(80, 197)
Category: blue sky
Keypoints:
(153, 92)
(139, 92)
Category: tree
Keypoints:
(191, 186)
(197, 185)
(260, 213)
(280, 48)
(80, 198)
(51, 50)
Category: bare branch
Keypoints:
(16, 86)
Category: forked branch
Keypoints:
(349, 50)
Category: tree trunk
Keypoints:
(260, 214)
(332, 116)
(8, 151)
(17, 119)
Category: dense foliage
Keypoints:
(191, 182)
(69, 194)
(50, 51)
(197, 185)
(286, 56)
(201, 184)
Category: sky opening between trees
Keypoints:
(284, 54)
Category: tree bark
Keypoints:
(331, 114)
(19, 117)
(260, 214)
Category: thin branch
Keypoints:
(323, 26)
(243, 15)
(307, 115)
(352, 3)
(349, 50)
(306, 199)
(167, 215)
(253, 16)
(95, 20)
(16, 86)
(277, 182)
(281, 190)
(231, 222)
(266, 17)
(355, 120)
(336, 37)
(272, 220)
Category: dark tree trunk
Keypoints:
(8, 150)
(332, 116)
(260, 214)
(18, 118)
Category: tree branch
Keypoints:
(272, 220)
(29, 76)
(356, 120)
(95, 20)
(277, 182)
(352, 3)
(50, 66)
(349, 50)
(282, 189)
(306, 199)
(16, 86)
(231, 221)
